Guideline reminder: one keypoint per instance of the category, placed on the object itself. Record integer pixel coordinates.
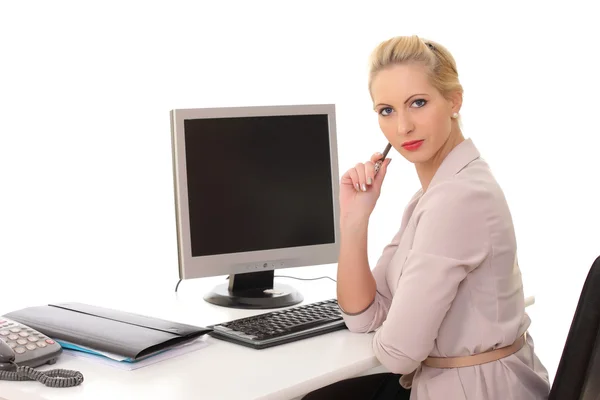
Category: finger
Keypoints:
(376, 157)
(377, 166)
(360, 170)
(350, 178)
(369, 172)
(382, 171)
(354, 178)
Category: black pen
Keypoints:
(385, 152)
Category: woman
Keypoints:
(446, 297)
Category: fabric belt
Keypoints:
(476, 359)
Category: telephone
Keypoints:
(22, 349)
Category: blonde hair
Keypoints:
(437, 60)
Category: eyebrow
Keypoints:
(406, 101)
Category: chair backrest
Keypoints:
(578, 373)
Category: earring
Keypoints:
(455, 115)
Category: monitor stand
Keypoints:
(255, 290)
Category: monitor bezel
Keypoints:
(249, 261)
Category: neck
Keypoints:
(427, 169)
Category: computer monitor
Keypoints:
(256, 189)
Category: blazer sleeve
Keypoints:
(451, 239)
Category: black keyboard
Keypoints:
(282, 326)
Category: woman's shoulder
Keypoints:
(471, 191)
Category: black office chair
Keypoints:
(578, 373)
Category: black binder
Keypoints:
(118, 332)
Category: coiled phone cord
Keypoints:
(56, 378)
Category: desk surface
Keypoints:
(221, 370)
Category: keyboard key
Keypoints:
(282, 326)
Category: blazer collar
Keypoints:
(460, 156)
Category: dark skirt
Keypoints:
(383, 386)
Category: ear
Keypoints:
(455, 101)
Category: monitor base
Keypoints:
(254, 290)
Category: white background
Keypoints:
(85, 156)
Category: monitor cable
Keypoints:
(306, 279)
(279, 276)
(313, 279)
(291, 277)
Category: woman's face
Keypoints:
(414, 117)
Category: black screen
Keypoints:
(258, 183)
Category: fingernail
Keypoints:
(369, 181)
(357, 187)
(364, 187)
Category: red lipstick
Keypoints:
(412, 145)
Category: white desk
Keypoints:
(221, 371)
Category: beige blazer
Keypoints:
(449, 285)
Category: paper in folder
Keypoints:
(130, 335)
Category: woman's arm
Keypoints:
(371, 314)
(451, 239)
(356, 286)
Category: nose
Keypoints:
(404, 125)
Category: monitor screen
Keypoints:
(258, 183)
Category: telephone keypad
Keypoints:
(26, 342)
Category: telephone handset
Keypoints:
(22, 349)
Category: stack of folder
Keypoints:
(121, 336)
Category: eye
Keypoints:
(385, 111)
(422, 102)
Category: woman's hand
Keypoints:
(360, 188)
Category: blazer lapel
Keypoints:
(461, 156)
